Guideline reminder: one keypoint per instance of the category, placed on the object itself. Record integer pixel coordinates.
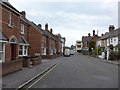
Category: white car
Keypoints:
(67, 52)
(71, 52)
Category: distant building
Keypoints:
(110, 38)
(79, 46)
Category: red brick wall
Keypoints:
(95, 38)
(34, 41)
(10, 31)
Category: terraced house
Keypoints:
(22, 40)
(14, 29)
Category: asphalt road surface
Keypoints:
(79, 71)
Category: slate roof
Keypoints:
(8, 5)
(24, 21)
(42, 31)
(105, 36)
(22, 40)
(86, 38)
(49, 35)
(113, 33)
(2, 37)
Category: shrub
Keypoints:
(113, 55)
(98, 51)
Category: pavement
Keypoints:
(77, 71)
(104, 60)
(16, 79)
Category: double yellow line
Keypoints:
(41, 77)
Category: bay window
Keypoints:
(23, 50)
(2, 51)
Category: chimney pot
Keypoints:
(40, 25)
(51, 30)
(46, 26)
(89, 34)
(93, 32)
(23, 13)
(111, 28)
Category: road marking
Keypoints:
(41, 77)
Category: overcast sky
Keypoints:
(71, 19)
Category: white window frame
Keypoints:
(23, 50)
(51, 51)
(10, 19)
(44, 51)
(3, 52)
(22, 29)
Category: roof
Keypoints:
(8, 5)
(49, 35)
(58, 36)
(22, 40)
(113, 33)
(24, 21)
(86, 38)
(2, 37)
(40, 30)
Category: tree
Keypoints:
(91, 45)
(72, 47)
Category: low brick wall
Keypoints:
(51, 56)
(26, 61)
(36, 60)
(44, 56)
(11, 66)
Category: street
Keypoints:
(79, 71)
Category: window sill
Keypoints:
(10, 26)
(22, 33)
(22, 55)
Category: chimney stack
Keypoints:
(51, 30)
(111, 28)
(46, 26)
(102, 34)
(89, 34)
(23, 13)
(93, 32)
(40, 25)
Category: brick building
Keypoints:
(87, 39)
(58, 45)
(50, 42)
(14, 28)
(21, 38)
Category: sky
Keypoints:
(71, 18)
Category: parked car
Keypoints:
(67, 52)
(71, 52)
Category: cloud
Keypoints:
(72, 20)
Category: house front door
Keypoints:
(13, 51)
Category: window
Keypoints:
(10, 19)
(114, 40)
(43, 51)
(111, 40)
(2, 52)
(22, 28)
(51, 51)
(23, 50)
